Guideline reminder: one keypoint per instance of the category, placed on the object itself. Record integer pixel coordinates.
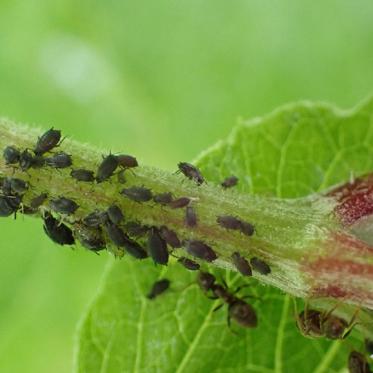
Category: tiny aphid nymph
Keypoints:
(191, 172)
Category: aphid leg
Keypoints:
(213, 297)
(132, 171)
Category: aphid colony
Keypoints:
(98, 227)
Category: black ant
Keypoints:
(238, 309)
(316, 324)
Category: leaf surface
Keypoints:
(297, 150)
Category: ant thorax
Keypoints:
(334, 327)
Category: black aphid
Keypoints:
(135, 229)
(247, 228)
(229, 182)
(158, 288)
(191, 172)
(127, 161)
(120, 239)
(163, 198)
(95, 219)
(63, 205)
(189, 264)
(11, 155)
(229, 222)
(58, 232)
(107, 168)
(18, 186)
(170, 237)
(47, 141)
(357, 363)
(190, 217)
(260, 266)
(82, 175)
(116, 234)
(6, 186)
(179, 203)
(90, 238)
(200, 250)
(137, 194)
(7, 206)
(157, 247)
(241, 264)
(59, 160)
(26, 160)
(38, 200)
(115, 214)
(38, 161)
(135, 249)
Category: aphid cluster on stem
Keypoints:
(65, 221)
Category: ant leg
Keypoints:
(224, 283)
(326, 315)
(213, 297)
(251, 296)
(298, 320)
(218, 307)
(229, 324)
(351, 324)
(240, 288)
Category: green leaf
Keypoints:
(297, 150)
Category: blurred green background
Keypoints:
(162, 80)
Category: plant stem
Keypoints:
(310, 253)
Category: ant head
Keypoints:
(205, 280)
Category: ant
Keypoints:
(238, 309)
(316, 324)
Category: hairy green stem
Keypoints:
(294, 237)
